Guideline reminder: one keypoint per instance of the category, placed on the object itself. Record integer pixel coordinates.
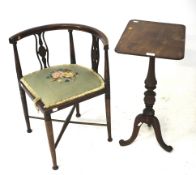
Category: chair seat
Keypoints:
(60, 84)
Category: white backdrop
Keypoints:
(84, 150)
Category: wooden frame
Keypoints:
(42, 52)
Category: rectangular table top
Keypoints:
(146, 38)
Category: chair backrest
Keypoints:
(42, 49)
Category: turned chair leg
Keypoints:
(49, 130)
(25, 109)
(108, 116)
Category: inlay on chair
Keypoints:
(56, 87)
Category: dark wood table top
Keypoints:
(146, 38)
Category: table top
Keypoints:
(146, 38)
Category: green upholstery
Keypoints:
(60, 84)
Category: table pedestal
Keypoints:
(148, 113)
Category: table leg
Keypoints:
(148, 113)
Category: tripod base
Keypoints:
(150, 121)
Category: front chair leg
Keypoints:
(108, 116)
(25, 109)
(78, 110)
(49, 130)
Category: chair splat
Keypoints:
(95, 53)
(42, 50)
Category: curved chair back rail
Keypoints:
(62, 26)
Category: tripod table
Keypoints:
(153, 40)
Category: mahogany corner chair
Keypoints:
(53, 88)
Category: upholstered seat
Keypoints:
(59, 84)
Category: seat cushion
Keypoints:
(60, 84)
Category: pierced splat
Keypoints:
(42, 50)
(95, 53)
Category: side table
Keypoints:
(153, 40)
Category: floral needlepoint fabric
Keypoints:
(62, 83)
(62, 75)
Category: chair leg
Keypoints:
(49, 130)
(78, 110)
(108, 116)
(25, 109)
